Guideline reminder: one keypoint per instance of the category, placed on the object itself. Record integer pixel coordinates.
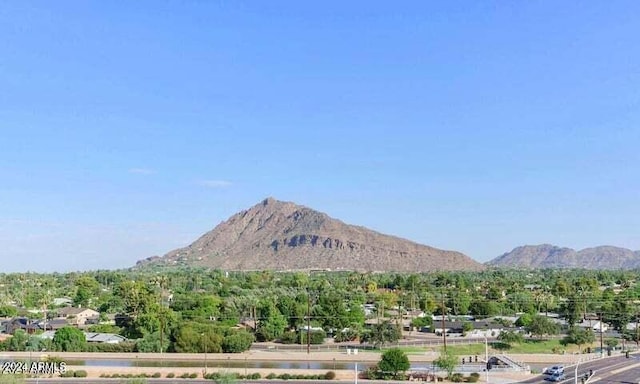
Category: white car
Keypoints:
(556, 369)
(558, 376)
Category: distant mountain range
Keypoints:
(551, 256)
(277, 235)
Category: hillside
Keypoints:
(550, 256)
(276, 235)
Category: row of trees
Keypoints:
(164, 309)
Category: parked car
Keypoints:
(555, 369)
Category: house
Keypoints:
(91, 337)
(23, 323)
(413, 314)
(62, 302)
(105, 338)
(594, 325)
(78, 316)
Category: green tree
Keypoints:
(192, 338)
(381, 334)
(86, 289)
(466, 327)
(150, 342)
(541, 326)
(447, 361)
(524, 320)
(237, 342)
(394, 361)
(69, 339)
(272, 323)
(18, 342)
(510, 337)
(579, 337)
(8, 311)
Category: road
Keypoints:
(617, 369)
(195, 381)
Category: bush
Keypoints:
(457, 378)
(171, 375)
(473, 379)
(80, 373)
(271, 376)
(330, 375)
(284, 376)
(156, 375)
(289, 337)
(255, 376)
(193, 375)
(68, 373)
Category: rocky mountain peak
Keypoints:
(280, 235)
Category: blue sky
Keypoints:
(130, 128)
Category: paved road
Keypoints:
(197, 381)
(617, 369)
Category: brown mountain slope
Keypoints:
(278, 235)
(550, 256)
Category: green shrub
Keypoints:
(171, 375)
(156, 375)
(184, 376)
(457, 378)
(256, 376)
(330, 375)
(289, 337)
(271, 376)
(80, 373)
(473, 379)
(284, 376)
(193, 375)
(68, 373)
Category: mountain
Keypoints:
(277, 235)
(550, 256)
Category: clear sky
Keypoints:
(130, 128)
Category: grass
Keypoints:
(529, 346)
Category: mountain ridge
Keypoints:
(280, 235)
(551, 256)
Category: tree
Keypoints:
(394, 361)
(237, 342)
(272, 323)
(86, 289)
(510, 337)
(8, 311)
(542, 326)
(18, 342)
(579, 337)
(447, 361)
(466, 327)
(151, 343)
(524, 320)
(381, 334)
(192, 338)
(69, 339)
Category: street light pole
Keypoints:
(575, 374)
(356, 369)
(486, 358)
(204, 346)
(308, 321)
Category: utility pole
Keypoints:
(308, 321)
(444, 331)
(601, 344)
